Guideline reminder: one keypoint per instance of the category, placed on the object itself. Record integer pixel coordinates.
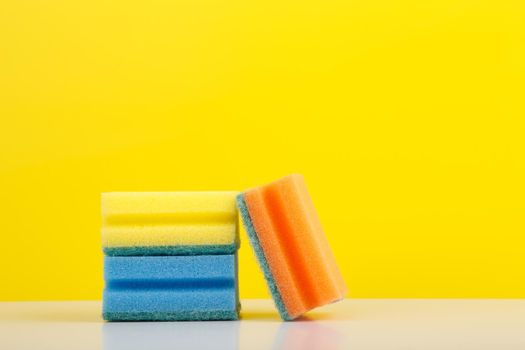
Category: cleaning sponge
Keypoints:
(169, 223)
(291, 246)
(161, 288)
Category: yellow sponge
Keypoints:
(169, 223)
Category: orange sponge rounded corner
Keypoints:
(291, 246)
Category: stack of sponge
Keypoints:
(170, 256)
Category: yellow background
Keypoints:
(406, 117)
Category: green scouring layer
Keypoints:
(172, 316)
(172, 250)
(256, 245)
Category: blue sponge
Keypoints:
(169, 288)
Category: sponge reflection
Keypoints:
(171, 335)
(255, 331)
(305, 335)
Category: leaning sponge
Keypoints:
(291, 246)
(163, 288)
(169, 223)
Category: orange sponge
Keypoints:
(291, 246)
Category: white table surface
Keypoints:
(352, 324)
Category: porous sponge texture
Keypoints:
(159, 288)
(257, 248)
(294, 245)
(155, 222)
(171, 250)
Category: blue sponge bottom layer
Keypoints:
(169, 288)
(174, 316)
(171, 250)
(256, 245)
